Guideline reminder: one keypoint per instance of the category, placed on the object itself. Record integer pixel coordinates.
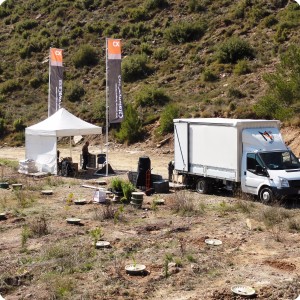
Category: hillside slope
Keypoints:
(177, 43)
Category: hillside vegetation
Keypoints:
(191, 58)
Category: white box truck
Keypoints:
(219, 152)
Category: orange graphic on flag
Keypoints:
(114, 46)
(56, 55)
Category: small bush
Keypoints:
(131, 128)
(235, 93)
(209, 76)
(155, 4)
(185, 205)
(134, 30)
(185, 32)
(74, 92)
(116, 184)
(35, 82)
(270, 21)
(135, 67)
(242, 67)
(26, 25)
(64, 41)
(127, 188)
(2, 126)
(195, 6)
(38, 226)
(233, 50)
(9, 86)
(145, 48)
(137, 14)
(19, 125)
(151, 96)
(161, 54)
(85, 56)
(166, 120)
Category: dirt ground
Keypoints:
(44, 257)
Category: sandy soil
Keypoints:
(118, 157)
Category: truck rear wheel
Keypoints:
(266, 195)
(202, 186)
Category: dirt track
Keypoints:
(119, 159)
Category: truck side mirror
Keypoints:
(260, 170)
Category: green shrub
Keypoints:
(270, 21)
(145, 48)
(282, 32)
(166, 120)
(280, 3)
(127, 188)
(242, 67)
(35, 82)
(45, 32)
(131, 128)
(185, 32)
(88, 4)
(76, 33)
(19, 125)
(235, 93)
(9, 86)
(26, 25)
(151, 96)
(154, 4)
(135, 67)
(195, 6)
(64, 41)
(74, 91)
(111, 30)
(233, 50)
(271, 108)
(3, 12)
(161, 54)
(85, 56)
(137, 14)
(283, 94)
(116, 184)
(2, 100)
(134, 30)
(209, 76)
(2, 126)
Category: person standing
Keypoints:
(85, 155)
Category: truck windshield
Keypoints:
(280, 160)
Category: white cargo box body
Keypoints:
(212, 147)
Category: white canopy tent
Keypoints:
(41, 138)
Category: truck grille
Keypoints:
(294, 183)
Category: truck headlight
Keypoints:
(284, 183)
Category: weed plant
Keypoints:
(184, 204)
(38, 227)
(96, 234)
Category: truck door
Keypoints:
(181, 136)
(253, 173)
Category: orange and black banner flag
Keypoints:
(55, 80)
(114, 80)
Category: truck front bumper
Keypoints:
(285, 192)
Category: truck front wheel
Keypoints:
(202, 186)
(266, 195)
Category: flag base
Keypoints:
(102, 171)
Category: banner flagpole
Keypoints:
(114, 99)
(49, 87)
(107, 120)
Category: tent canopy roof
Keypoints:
(63, 123)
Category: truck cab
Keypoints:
(269, 169)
